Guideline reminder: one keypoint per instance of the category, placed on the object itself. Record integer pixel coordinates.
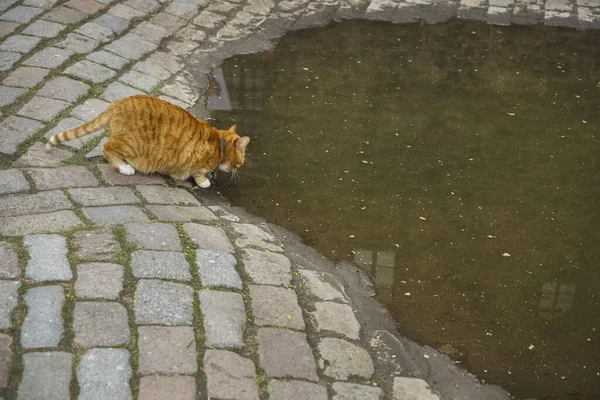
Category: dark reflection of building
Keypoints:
(556, 298)
(381, 266)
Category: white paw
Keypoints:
(204, 184)
(126, 169)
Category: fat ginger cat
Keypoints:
(152, 135)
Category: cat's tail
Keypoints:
(97, 123)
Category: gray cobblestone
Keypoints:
(98, 150)
(112, 22)
(275, 306)
(125, 12)
(208, 237)
(160, 264)
(6, 4)
(191, 33)
(26, 77)
(156, 387)
(63, 88)
(99, 281)
(152, 70)
(90, 71)
(217, 269)
(107, 59)
(229, 376)
(167, 350)
(104, 196)
(70, 123)
(168, 21)
(100, 324)
(46, 376)
(145, 6)
(9, 95)
(223, 7)
(65, 15)
(50, 57)
(9, 266)
(150, 32)
(117, 90)
(165, 303)
(179, 89)
(19, 43)
(163, 195)
(43, 325)
(9, 299)
(267, 268)
(254, 236)
(47, 258)
(90, 109)
(285, 353)
(131, 47)
(209, 20)
(412, 389)
(296, 390)
(42, 109)
(114, 215)
(40, 3)
(34, 203)
(21, 14)
(181, 213)
(37, 156)
(104, 374)
(13, 181)
(45, 29)
(95, 31)
(344, 359)
(158, 236)
(5, 359)
(7, 27)
(115, 178)
(182, 9)
(27, 224)
(7, 60)
(224, 318)
(319, 287)
(353, 391)
(63, 177)
(165, 61)
(338, 318)
(97, 245)
(139, 80)
(78, 44)
(86, 6)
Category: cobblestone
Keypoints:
(13, 181)
(100, 324)
(8, 59)
(167, 350)
(34, 203)
(19, 43)
(115, 178)
(285, 353)
(113, 215)
(224, 318)
(117, 90)
(267, 268)
(42, 109)
(7, 27)
(275, 306)
(181, 213)
(165, 303)
(353, 391)
(97, 32)
(8, 301)
(9, 95)
(47, 258)
(338, 318)
(97, 245)
(43, 325)
(5, 359)
(90, 109)
(145, 6)
(158, 236)
(104, 196)
(344, 359)
(91, 71)
(125, 12)
(139, 80)
(107, 59)
(27, 224)
(37, 156)
(112, 22)
(320, 288)
(63, 88)
(182, 9)
(21, 14)
(412, 389)
(50, 57)
(160, 264)
(99, 281)
(104, 374)
(150, 32)
(9, 266)
(230, 376)
(167, 21)
(209, 20)
(252, 235)
(26, 77)
(163, 195)
(70, 123)
(46, 376)
(131, 47)
(217, 269)
(152, 70)
(44, 29)
(85, 6)
(65, 15)
(208, 237)
(296, 390)
(64, 177)
(156, 387)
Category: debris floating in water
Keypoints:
(506, 254)
(531, 347)
(423, 218)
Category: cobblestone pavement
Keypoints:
(115, 287)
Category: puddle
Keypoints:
(458, 165)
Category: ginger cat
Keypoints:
(151, 135)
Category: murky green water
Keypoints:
(459, 165)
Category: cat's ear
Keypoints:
(242, 143)
(233, 128)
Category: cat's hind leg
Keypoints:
(116, 159)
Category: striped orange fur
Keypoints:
(151, 135)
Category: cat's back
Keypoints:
(143, 106)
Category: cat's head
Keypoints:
(235, 150)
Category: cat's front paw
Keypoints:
(126, 169)
(204, 184)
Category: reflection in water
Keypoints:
(458, 165)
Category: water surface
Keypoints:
(458, 165)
